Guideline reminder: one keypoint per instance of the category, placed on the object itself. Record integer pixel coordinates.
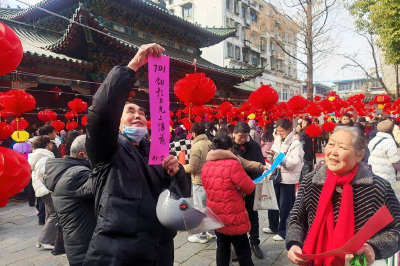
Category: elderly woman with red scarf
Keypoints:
(335, 201)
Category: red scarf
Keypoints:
(324, 235)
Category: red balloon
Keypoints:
(5, 130)
(11, 50)
(195, 89)
(15, 173)
(70, 115)
(58, 125)
(84, 120)
(72, 125)
(313, 130)
(19, 124)
(264, 98)
(77, 105)
(328, 126)
(47, 115)
(17, 102)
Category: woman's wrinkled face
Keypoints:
(283, 133)
(340, 155)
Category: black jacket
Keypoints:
(126, 188)
(251, 151)
(307, 143)
(70, 181)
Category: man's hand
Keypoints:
(292, 255)
(142, 56)
(171, 164)
(369, 253)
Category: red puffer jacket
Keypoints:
(224, 180)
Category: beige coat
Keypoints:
(200, 147)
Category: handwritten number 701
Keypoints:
(159, 68)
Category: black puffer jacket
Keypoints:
(70, 181)
(126, 188)
(307, 143)
(250, 151)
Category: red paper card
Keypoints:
(376, 223)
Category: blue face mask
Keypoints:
(136, 134)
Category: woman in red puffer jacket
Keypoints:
(224, 181)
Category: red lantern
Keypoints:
(328, 126)
(10, 50)
(5, 130)
(70, 115)
(149, 124)
(381, 100)
(5, 113)
(17, 102)
(198, 119)
(77, 105)
(58, 125)
(225, 107)
(195, 89)
(313, 130)
(56, 91)
(314, 109)
(47, 115)
(84, 120)
(19, 124)
(264, 98)
(72, 125)
(317, 98)
(297, 104)
(15, 173)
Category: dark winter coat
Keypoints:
(70, 181)
(250, 151)
(307, 143)
(126, 188)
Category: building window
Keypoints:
(243, 12)
(284, 94)
(172, 11)
(236, 6)
(344, 87)
(171, 2)
(228, 22)
(187, 11)
(253, 17)
(228, 4)
(254, 59)
(237, 53)
(230, 50)
(245, 55)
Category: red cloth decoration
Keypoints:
(58, 125)
(5, 130)
(246, 106)
(324, 234)
(264, 98)
(328, 126)
(225, 107)
(17, 102)
(57, 91)
(84, 120)
(15, 173)
(199, 111)
(187, 124)
(11, 50)
(77, 105)
(47, 115)
(327, 106)
(72, 125)
(317, 98)
(198, 119)
(297, 104)
(19, 124)
(314, 109)
(70, 115)
(195, 89)
(5, 113)
(313, 130)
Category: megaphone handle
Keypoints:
(175, 186)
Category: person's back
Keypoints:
(254, 133)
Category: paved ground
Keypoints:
(19, 231)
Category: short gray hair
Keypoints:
(79, 145)
(358, 141)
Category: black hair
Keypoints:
(223, 132)
(45, 130)
(222, 143)
(242, 127)
(210, 126)
(284, 123)
(268, 135)
(41, 142)
(199, 128)
(308, 120)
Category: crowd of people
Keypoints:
(97, 194)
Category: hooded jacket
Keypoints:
(198, 153)
(70, 181)
(224, 180)
(37, 159)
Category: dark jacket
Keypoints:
(70, 181)
(126, 188)
(307, 143)
(250, 151)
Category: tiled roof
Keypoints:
(35, 39)
(7, 12)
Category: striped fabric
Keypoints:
(370, 193)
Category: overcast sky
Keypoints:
(332, 69)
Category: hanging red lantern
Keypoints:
(381, 100)
(328, 126)
(264, 98)
(15, 173)
(19, 124)
(317, 98)
(5, 130)
(199, 111)
(195, 89)
(314, 109)
(56, 91)
(47, 115)
(17, 102)
(72, 125)
(297, 104)
(313, 130)
(332, 96)
(71, 115)
(11, 50)
(132, 94)
(148, 124)
(58, 125)
(77, 105)
(225, 107)
(198, 119)
(84, 120)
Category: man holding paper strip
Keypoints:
(126, 188)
